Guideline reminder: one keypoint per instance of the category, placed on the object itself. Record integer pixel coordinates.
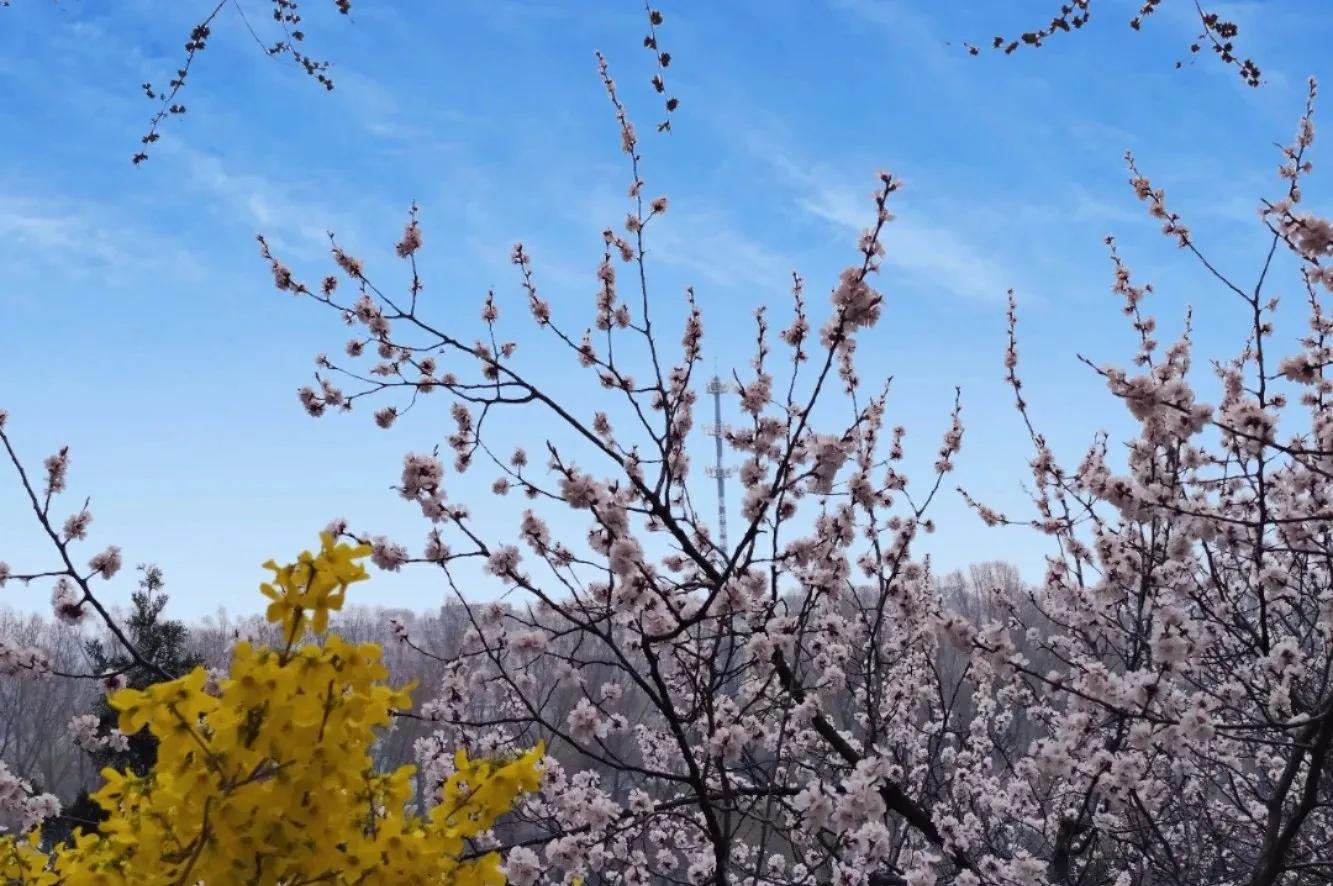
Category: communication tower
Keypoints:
(717, 470)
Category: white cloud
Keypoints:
(933, 252)
(80, 239)
(905, 25)
(285, 211)
(706, 243)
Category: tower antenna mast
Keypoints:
(717, 387)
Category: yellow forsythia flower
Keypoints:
(267, 778)
(315, 584)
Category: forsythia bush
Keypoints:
(265, 776)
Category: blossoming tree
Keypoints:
(777, 711)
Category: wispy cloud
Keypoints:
(705, 242)
(699, 236)
(932, 250)
(45, 227)
(84, 239)
(382, 113)
(905, 25)
(285, 211)
(1085, 205)
(1102, 137)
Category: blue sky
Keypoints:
(138, 325)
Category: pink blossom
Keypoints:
(503, 561)
(83, 731)
(107, 563)
(857, 303)
(67, 602)
(411, 240)
(522, 867)
(586, 724)
(56, 467)
(387, 555)
(579, 490)
(422, 475)
(529, 643)
(351, 266)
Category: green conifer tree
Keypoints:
(161, 642)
